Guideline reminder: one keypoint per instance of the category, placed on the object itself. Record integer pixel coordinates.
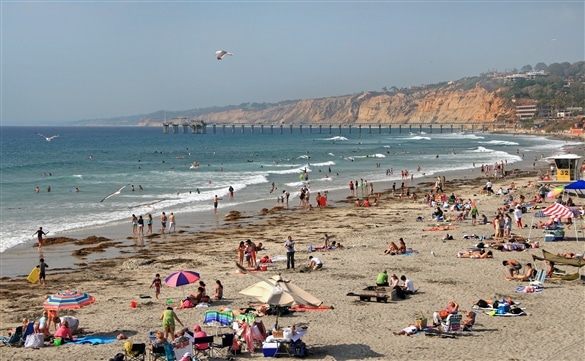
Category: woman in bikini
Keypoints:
(392, 249)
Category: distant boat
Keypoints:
(194, 165)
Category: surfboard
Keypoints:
(33, 276)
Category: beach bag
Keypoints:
(299, 349)
(421, 321)
(483, 304)
(35, 340)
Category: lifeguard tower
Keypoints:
(568, 168)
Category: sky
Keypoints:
(63, 61)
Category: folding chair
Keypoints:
(204, 345)
(15, 339)
(182, 348)
(227, 341)
(538, 280)
(136, 353)
(157, 353)
(452, 324)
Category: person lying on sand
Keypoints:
(392, 249)
(480, 254)
(493, 303)
(441, 228)
(411, 329)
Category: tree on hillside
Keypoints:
(540, 66)
(526, 68)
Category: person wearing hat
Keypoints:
(382, 279)
(186, 357)
(198, 333)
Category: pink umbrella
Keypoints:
(181, 278)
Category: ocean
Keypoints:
(100, 160)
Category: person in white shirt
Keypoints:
(518, 216)
(408, 286)
(315, 263)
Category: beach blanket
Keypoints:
(495, 313)
(528, 289)
(93, 340)
(437, 332)
(310, 308)
(409, 252)
(278, 258)
(476, 307)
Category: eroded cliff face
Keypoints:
(443, 105)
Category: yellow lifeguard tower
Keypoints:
(568, 168)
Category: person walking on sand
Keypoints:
(231, 192)
(163, 222)
(140, 222)
(290, 253)
(156, 284)
(216, 200)
(40, 233)
(134, 225)
(172, 224)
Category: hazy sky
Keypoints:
(63, 61)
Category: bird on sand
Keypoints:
(48, 139)
(113, 194)
(221, 53)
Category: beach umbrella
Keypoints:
(555, 192)
(68, 299)
(181, 278)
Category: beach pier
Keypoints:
(200, 127)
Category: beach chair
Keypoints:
(203, 345)
(157, 353)
(15, 339)
(538, 280)
(452, 324)
(182, 348)
(135, 353)
(225, 347)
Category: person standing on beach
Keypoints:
(140, 222)
(42, 266)
(231, 191)
(172, 222)
(149, 224)
(168, 318)
(163, 222)
(134, 224)
(216, 200)
(40, 233)
(156, 284)
(290, 252)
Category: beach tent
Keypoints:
(555, 210)
(561, 261)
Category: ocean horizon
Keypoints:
(154, 170)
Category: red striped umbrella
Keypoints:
(68, 299)
(182, 278)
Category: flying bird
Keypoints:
(48, 139)
(221, 53)
(113, 194)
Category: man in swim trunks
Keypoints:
(163, 222)
(513, 267)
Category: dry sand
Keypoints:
(552, 330)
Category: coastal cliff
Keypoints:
(445, 104)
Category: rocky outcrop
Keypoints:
(442, 105)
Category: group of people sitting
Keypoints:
(63, 327)
(406, 288)
(394, 249)
(439, 318)
(200, 296)
(159, 341)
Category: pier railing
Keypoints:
(203, 128)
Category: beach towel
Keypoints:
(508, 314)
(528, 289)
(278, 258)
(93, 340)
(224, 318)
(310, 308)
(409, 252)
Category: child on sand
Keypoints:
(156, 283)
(42, 271)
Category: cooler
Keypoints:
(549, 237)
(269, 349)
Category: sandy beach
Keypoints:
(353, 329)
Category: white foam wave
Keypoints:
(499, 142)
(335, 138)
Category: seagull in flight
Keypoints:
(221, 53)
(48, 139)
(113, 194)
